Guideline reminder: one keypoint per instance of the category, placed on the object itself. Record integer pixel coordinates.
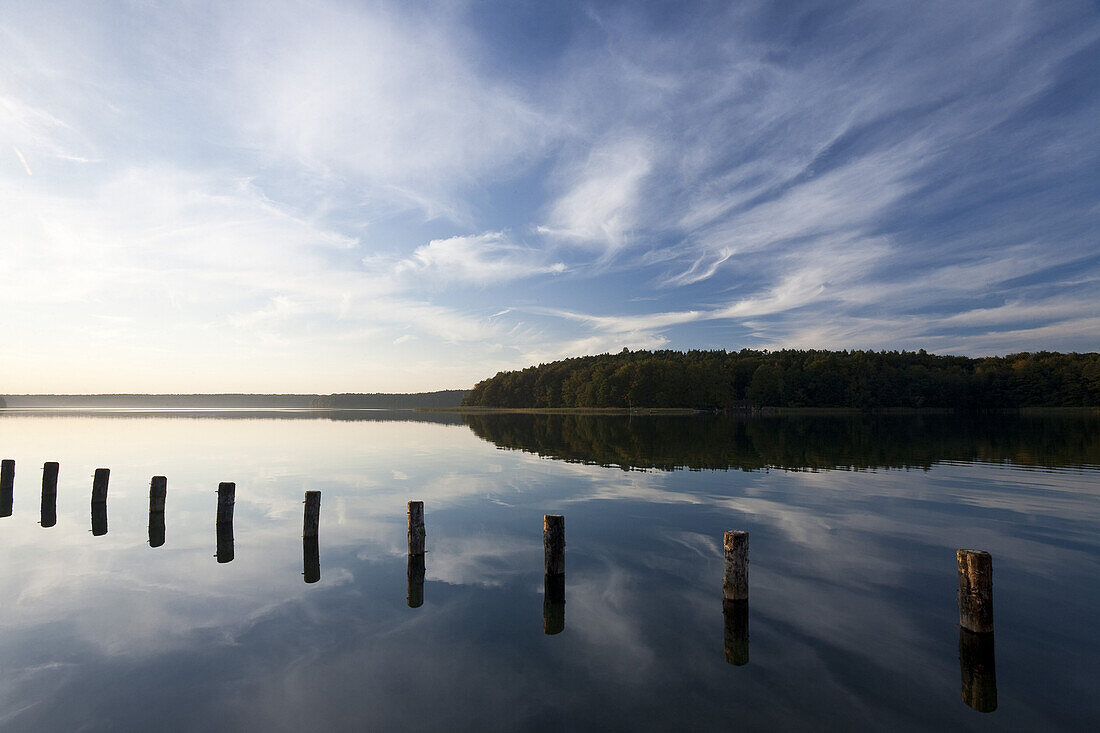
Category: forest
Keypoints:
(798, 378)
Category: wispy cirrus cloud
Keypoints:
(478, 259)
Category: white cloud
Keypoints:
(602, 201)
(388, 97)
(480, 259)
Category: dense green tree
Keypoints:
(798, 378)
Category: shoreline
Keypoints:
(757, 412)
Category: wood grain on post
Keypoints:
(227, 497)
(99, 485)
(49, 477)
(7, 487)
(415, 593)
(553, 543)
(735, 581)
(975, 590)
(417, 531)
(158, 492)
(312, 515)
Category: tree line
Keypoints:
(798, 378)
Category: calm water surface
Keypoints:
(852, 621)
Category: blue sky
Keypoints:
(356, 196)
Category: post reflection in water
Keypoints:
(49, 494)
(156, 529)
(311, 559)
(7, 487)
(225, 542)
(415, 594)
(736, 637)
(553, 604)
(49, 509)
(99, 518)
(979, 670)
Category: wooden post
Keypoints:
(225, 540)
(7, 474)
(99, 485)
(311, 556)
(736, 617)
(49, 494)
(158, 492)
(975, 590)
(553, 543)
(227, 496)
(415, 594)
(99, 518)
(735, 582)
(553, 604)
(312, 514)
(49, 477)
(979, 670)
(7, 487)
(417, 532)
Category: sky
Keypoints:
(339, 196)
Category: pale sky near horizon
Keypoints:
(338, 196)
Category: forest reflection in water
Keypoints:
(852, 623)
(797, 442)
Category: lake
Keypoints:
(852, 620)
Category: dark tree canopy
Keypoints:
(799, 378)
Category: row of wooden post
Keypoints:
(975, 570)
(975, 601)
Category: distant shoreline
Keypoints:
(764, 411)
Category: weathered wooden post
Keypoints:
(417, 532)
(49, 477)
(979, 670)
(553, 543)
(99, 485)
(553, 582)
(99, 518)
(311, 558)
(7, 487)
(976, 660)
(975, 590)
(735, 582)
(415, 593)
(553, 604)
(227, 496)
(158, 493)
(49, 494)
(225, 542)
(312, 514)
(736, 637)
